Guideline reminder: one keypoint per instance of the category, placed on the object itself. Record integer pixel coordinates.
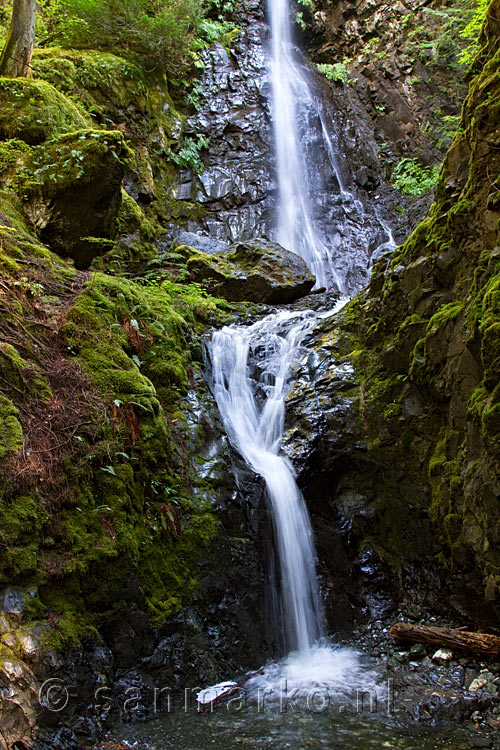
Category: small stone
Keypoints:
(478, 684)
(487, 675)
(481, 742)
(418, 651)
(401, 656)
(13, 601)
(443, 654)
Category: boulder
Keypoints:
(18, 690)
(255, 271)
(76, 194)
(34, 111)
(200, 242)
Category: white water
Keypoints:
(256, 433)
(253, 411)
(253, 408)
(297, 230)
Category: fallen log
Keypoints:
(459, 640)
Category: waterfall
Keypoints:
(297, 230)
(256, 432)
(251, 365)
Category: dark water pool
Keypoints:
(225, 729)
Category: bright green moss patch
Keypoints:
(21, 522)
(11, 432)
(445, 313)
(34, 111)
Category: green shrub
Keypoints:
(412, 178)
(160, 34)
(334, 72)
(472, 30)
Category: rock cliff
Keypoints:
(395, 414)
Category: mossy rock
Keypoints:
(11, 433)
(72, 188)
(254, 271)
(100, 80)
(35, 111)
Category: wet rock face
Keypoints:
(235, 186)
(237, 191)
(254, 271)
(324, 441)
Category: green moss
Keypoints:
(447, 312)
(12, 153)
(115, 321)
(21, 522)
(20, 374)
(11, 433)
(34, 111)
(412, 320)
(99, 80)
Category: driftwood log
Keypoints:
(459, 640)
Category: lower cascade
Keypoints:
(256, 433)
(253, 411)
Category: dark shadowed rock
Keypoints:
(75, 205)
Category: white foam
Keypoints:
(338, 672)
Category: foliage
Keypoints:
(221, 9)
(334, 72)
(452, 33)
(471, 31)
(159, 36)
(299, 16)
(188, 156)
(157, 32)
(411, 178)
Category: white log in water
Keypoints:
(297, 229)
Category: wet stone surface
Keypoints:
(235, 196)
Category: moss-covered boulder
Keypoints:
(34, 111)
(72, 190)
(255, 271)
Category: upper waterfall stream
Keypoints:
(297, 229)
